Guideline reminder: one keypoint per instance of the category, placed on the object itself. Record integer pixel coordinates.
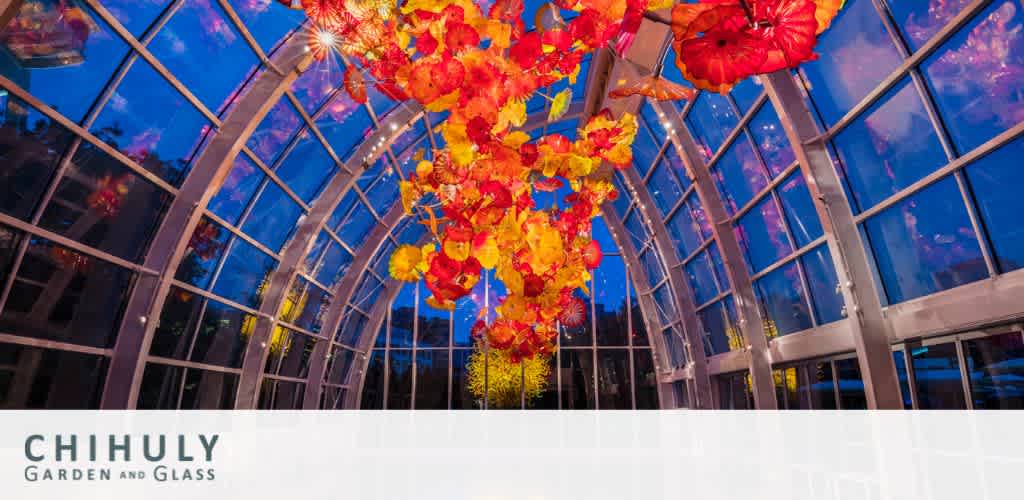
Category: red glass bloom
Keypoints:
(573, 313)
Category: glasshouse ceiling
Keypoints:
(259, 184)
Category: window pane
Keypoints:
(462, 398)
(208, 390)
(373, 383)
(822, 392)
(711, 119)
(280, 395)
(400, 380)
(614, 386)
(851, 386)
(204, 251)
(993, 180)
(384, 193)
(242, 278)
(315, 85)
(925, 244)
(273, 217)
(336, 261)
(236, 192)
(901, 373)
(890, 147)
(995, 367)
(674, 346)
(31, 147)
(770, 139)
(434, 324)
(304, 305)
(135, 15)
(35, 378)
(197, 35)
(702, 281)
(762, 235)
(919, 21)
(339, 366)
(720, 330)
(344, 124)
(45, 61)
(161, 138)
(719, 267)
(307, 168)
(609, 291)
(267, 29)
(275, 131)
(822, 280)
(62, 295)
(785, 303)
(645, 148)
(937, 374)
(577, 379)
(102, 204)
(351, 329)
(977, 79)
(804, 224)
(684, 232)
(290, 352)
(860, 54)
(646, 380)
(432, 380)
(664, 188)
(739, 175)
(651, 262)
(356, 224)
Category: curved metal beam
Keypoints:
(300, 245)
(870, 328)
(171, 240)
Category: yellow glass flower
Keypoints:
(560, 104)
(404, 263)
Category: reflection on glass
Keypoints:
(925, 243)
(399, 380)
(577, 367)
(646, 379)
(734, 391)
(610, 314)
(244, 274)
(273, 217)
(613, 379)
(238, 189)
(739, 175)
(823, 283)
(280, 395)
(801, 215)
(770, 139)
(762, 235)
(31, 147)
(976, 80)
(702, 279)
(36, 378)
(851, 386)
(920, 20)
(993, 180)
(996, 368)
(462, 398)
(373, 382)
(937, 375)
(431, 380)
(711, 120)
(218, 338)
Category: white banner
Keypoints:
(512, 455)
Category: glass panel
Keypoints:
(762, 235)
(652, 264)
(400, 380)
(860, 54)
(307, 168)
(996, 366)
(462, 399)
(336, 261)
(645, 149)
(721, 333)
(890, 147)
(784, 301)
(739, 175)
(851, 386)
(994, 179)
(402, 316)
(62, 295)
(304, 305)
(901, 373)
(31, 147)
(804, 224)
(823, 283)
(205, 248)
(273, 217)
(822, 390)
(344, 124)
(434, 324)
(919, 21)
(937, 375)
(339, 365)
(243, 276)
(679, 395)
(746, 93)
(675, 348)
(373, 383)
(684, 232)
(356, 224)
(665, 304)
(315, 85)
(621, 203)
(238, 189)
(351, 328)
(700, 217)
(102, 204)
(135, 15)
(218, 339)
(711, 119)
(614, 386)
(162, 139)
(646, 378)
(610, 302)
(702, 281)
(432, 380)
(289, 353)
(577, 389)
(664, 188)
(43, 61)
(976, 81)
(786, 395)
(367, 292)
(719, 267)
(384, 193)
(267, 29)
(770, 139)
(197, 35)
(275, 131)
(36, 378)
(280, 395)
(637, 230)
(925, 244)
